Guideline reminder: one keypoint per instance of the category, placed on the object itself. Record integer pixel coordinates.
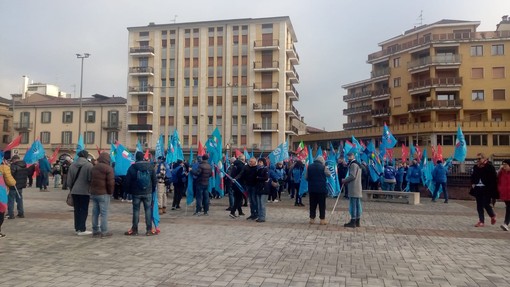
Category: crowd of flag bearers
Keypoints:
(145, 179)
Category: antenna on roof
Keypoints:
(175, 19)
(420, 18)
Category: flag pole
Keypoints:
(336, 202)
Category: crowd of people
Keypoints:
(253, 183)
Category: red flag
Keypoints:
(146, 155)
(15, 142)
(238, 153)
(53, 157)
(418, 153)
(201, 149)
(389, 154)
(440, 152)
(434, 154)
(98, 150)
(405, 153)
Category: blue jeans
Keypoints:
(261, 206)
(100, 204)
(146, 199)
(436, 191)
(355, 207)
(388, 186)
(252, 197)
(202, 198)
(14, 197)
(56, 179)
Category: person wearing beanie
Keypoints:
(353, 180)
(203, 172)
(504, 190)
(263, 187)
(78, 180)
(316, 175)
(20, 173)
(439, 177)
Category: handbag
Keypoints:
(69, 199)
(275, 184)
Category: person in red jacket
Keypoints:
(504, 190)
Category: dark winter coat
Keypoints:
(131, 186)
(20, 172)
(102, 176)
(203, 173)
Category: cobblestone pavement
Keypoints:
(432, 244)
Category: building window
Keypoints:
(396, 62)
(194, 140)
(111, 137)
(210, 120)
(46, 117)
(162, 120)
(244, 100)
(477, 50)
(144, 34)
(234, 140)
(171, 102)
(90, 116)
(498, 72)
(194, 120)
(501, 140)
(172, 82)
(477, 96)
(186, 120)
(24, 137)
(219, 120)
(170, 120)
(397, 102)
(480, 140)
(195, 82)
(5, 139)
(243, 139)
(498, 49)
(163, 101)
(445, 140)
(6, 125)
(67, 117)
(477, 73)
(498, 95)
(185, 140)
(89, 137)
(210, 100)
(396, 82)
(45, 137)
(195, 62)
(234, 100)
(497, 117)
(234, 120)
(67, 137)
(244, 120)
(186, 82)
(195, 101)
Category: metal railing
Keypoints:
(265, 127)
(266, 65)
(140, 70)
(143, 108)
(266, 43)
(23, 125)
(435, 82)
(357, 125)
(435, 105)
(381, 112)
(259, 106)
(355, 110)
(141, 89)
(143, 49)
(435, 60)
(111, 125)
(264, 85)
(139, 127)
(380, 72)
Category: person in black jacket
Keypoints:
(236, 168)
(141, 182)
(263, 186)
(19, 171)
(316, 175)
(342, 172)
(484, 188)
(248, 176)
(203, 173)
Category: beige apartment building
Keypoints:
(238, 75)
(426, 82)
(55, 121)
(6, 120)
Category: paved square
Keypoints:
(432, 244)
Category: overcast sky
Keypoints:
(39, 39)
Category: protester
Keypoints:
(161, 175)
(273, 189)
(30, 174)
(389, 177)
(78, 180)
(228, 184)
(9, 181)
(141, 182)
(342, 172)
(262, 189)
(236, 168)
(414, 176)
(365, 175)
(483, 188)
(248, 176)
(203, 173)
(180, 178)
(56, 172)
(504, 190)
(353, 181)
(400, 177)
(65, 171)
(102, 185)
(45, 169)
(316, 175)
(296, 173)
(282, 178)
(19, 172)
(439, 177)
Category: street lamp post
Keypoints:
(82, 57)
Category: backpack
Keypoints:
(389, 172)
(296, 175)
(143, 179)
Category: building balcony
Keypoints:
(358, 125)
(384, 112)
(454, 82)
(358, 96)
(381, 94)
(23, 126)
(272, 44)
(292, 111)
(113, 126)
(140, 128)
(292, 55)
(435, 105)
(273, 107)
(378, 73)
(445, 61)
(357, 110)
(266, 87)
(265, 127)
(292, 131)
(292, 75)
(260, 66)
(291, 92)
(141, 90)
(141, 71)
(145, 109)
(64, 147)
(141, 51)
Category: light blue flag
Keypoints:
(388, 140)
(280, 153)
(139, 147)
(319, 152)
(113, 150)
(460, 146)
(218, 165)
(170, 152)
(247, 155)
(303, 185)
(35, 152)
(79, 147)
(160, 148)
(189, 191)
(155, 209)
(412, 151)
(333, 184)
(123, 160)
(358, 149)
(176, 142)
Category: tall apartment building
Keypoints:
(237, 75)
(55, 122)
(430, 79)
(6, 121)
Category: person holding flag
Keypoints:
(414, 176)
(203, 173)
(20, 173)
(236, 168)
(353, 180)
(6, 182)
(248, 176)
(484, 188)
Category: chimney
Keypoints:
(505, 18)
(24, 87)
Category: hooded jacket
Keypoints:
(102, 177)
(439, 174)
(131, 186)
(19, 171)
(317, 174)
(5, 171)
(504, 185)
(82, 182)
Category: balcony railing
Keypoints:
(381, 112)
(358, 125)
(140, 109)
(141, 89)
(380, 72)
(260, 65)
(436, 105)
(292, 74)
(265, 107)
(140, 127)
(23, 126)
(272, 43)
(358, 96)
(292, 54)
(266, 86)
(381, 93)
(357, 110)
(435, 38)
(292, 129)
(141, 50)
(291, 91)
(435, 82)
(265, 127)
(111, 125)
(435, 60)
(141, 70)
(291, 109)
